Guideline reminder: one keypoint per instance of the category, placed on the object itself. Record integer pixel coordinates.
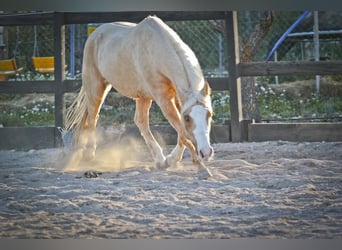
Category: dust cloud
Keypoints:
(116, 151)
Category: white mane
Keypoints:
(186, 55)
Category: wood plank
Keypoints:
(137, 16)
(27, 87)
(295, 132)
(59, 60)
(290, 68)
(71, 85)
(48, 86)
(218, 83)
(220, 133)
(234, 80)
(43, 18)
(25, 138)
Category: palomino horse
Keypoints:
(147, 62)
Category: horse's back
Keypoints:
(127, 55)
(151, 33)
(106, 54)
(136, 58)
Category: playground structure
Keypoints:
(315, 33)
(237, 130)
(44, 64)
(8, 67)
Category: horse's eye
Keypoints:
(186, 118)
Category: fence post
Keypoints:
(316, 46)
(234, 80)
(59, 54)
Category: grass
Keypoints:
(39, 114)
(285, 105)
(274, 104)
(271, 107)
(21, 119)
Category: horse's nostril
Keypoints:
(211, 151)
(201, 154)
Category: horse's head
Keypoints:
(196, 119)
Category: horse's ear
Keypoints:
(206, 89)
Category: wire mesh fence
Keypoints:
(260, 33)
(204, 37)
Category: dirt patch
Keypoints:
(264, 190)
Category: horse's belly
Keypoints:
(127, 81)
(130, 89)
(128, 74)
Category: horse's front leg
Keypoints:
(141, 119)
(176, 154)
(170, 108)
(171, 112)
(203, 171)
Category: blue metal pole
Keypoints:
(72, 51)
(286, 33)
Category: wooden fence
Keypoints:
(238, 130)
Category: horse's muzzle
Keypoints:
(206, 153)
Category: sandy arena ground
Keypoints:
(264, 190)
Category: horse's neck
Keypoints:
(194, 98)
(180, 64)
(184, 69)
(187, 90)
(187, 78)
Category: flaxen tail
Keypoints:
(76, 116)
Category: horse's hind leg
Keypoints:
(141, 119)
(97, 91)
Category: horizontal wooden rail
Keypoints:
(21, 87)
(46, 86)
(290, 68)
(45, 18)
(43, 86)
(218, 83)
(25, 138)
(72, 85)
(295, 132)
(88, 17)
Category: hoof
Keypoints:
(171, 162)
(204, 174)
(162, 165)
(91, 174)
